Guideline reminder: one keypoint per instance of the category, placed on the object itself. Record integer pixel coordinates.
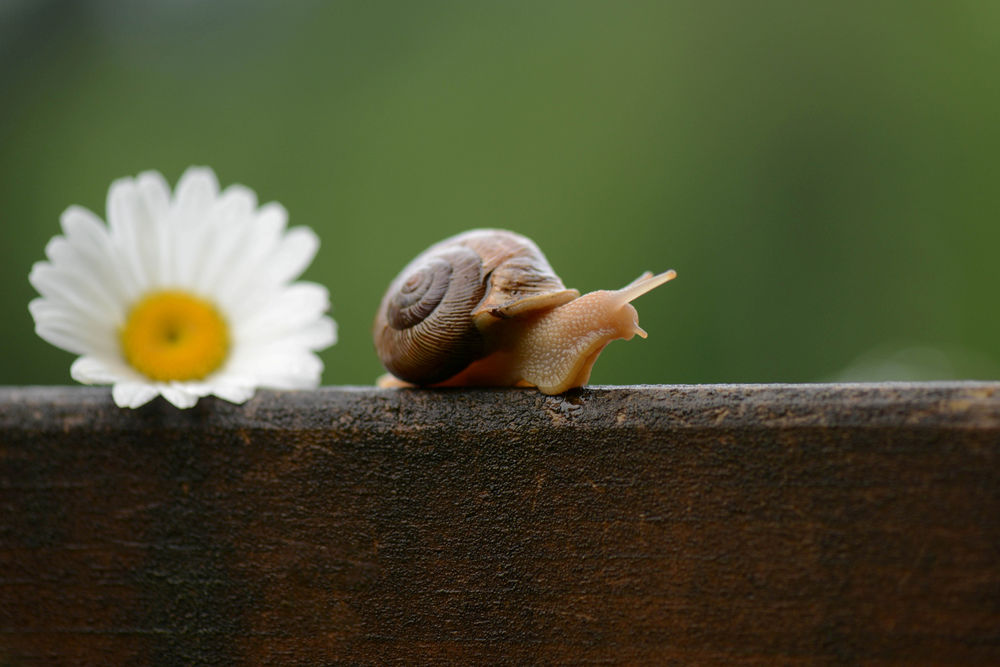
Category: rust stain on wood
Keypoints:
(634, 525)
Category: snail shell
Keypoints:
(486, 308)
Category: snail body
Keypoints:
(485, 308)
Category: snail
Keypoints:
(485, 308)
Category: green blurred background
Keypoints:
(823, 176)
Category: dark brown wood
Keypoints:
(642, 525)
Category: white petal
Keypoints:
(264, 233)
(296, 251)
(87, 277)
(281, 369)
(84, 228)
(180, 397)
(90, 236)
(235, 204)
(317, 336)
(244, 280)
(321, 335)
(67, 308)
(90, 370)
(211, 240)
(155, 191)
(134, 234)
(196, 388)
(196, 190)
(94, 369)
(295, 306)
(222, 246)
(233, 393)
(300, 371)
(272, 220)
(153, 208)
(70, 331)
(314, 336)
(133, 394)
(62, 338)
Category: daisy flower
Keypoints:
(183, 295)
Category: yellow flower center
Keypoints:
(172, 335)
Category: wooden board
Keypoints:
(752, 524)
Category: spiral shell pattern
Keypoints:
(419, 294)
(423, 332)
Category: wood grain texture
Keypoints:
(750, 524)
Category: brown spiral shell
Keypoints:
(431, 322)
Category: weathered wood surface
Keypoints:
(766, 524)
